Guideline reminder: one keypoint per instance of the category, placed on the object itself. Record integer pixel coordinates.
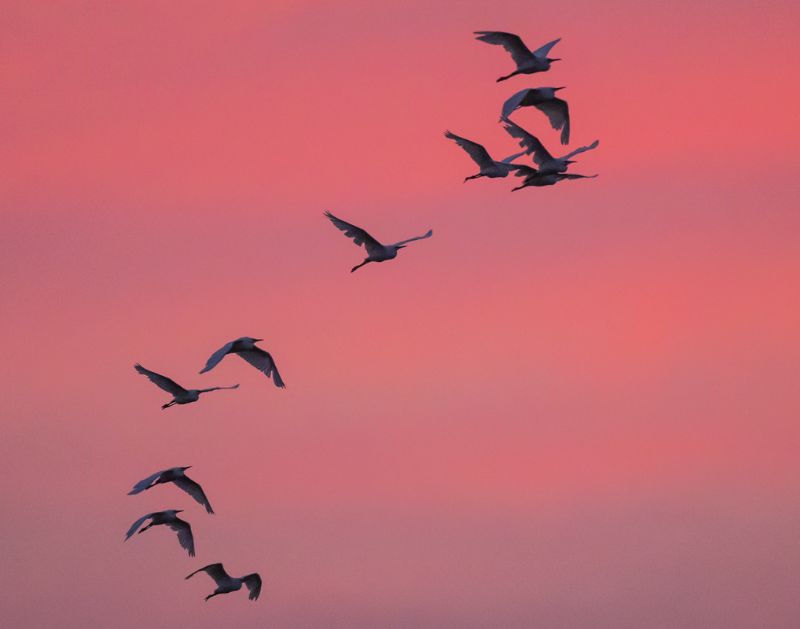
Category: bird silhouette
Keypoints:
(541, 156)
(226, 583)
(488, 166)
(179, 394)
(177, 476)
(545, 100)
(534, 178)
(246, 349)
(527, 62)
(167, 518)
(376, 252)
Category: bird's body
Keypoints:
(179, 394)
(488, 166)
(246, 349)
(168, 518)
(177, 476)
(545, 100)
(536, 179)
(527, 62)
(226, 583)
(376, 252)
(541, 156)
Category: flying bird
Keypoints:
(376, 252)
(169, 518)
(541, 156)
(246, 349)
(177, 476)
(179, 394)
(227, 584)
(488, 166)
(527, 62)
(534, 178)
(544, 99)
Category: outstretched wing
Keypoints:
(262, 361)
(359, 236)
(217, 356)
(253, 583)
(185, 537)
(476, 151)
(511, 158)
(557, 112)
(513, 103)
(543, 50)
(194, 490)
(427, 234)
(135, 526)
(214, 570)
(512, 43)
(170, 386)
(147, 483)
(582, 149)
(528, 141)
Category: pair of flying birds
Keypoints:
(549, 169)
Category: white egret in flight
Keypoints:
(179, 394)
(488, 166)
(177, 476)
(545, 100)
(527, 62)
(226, 583)
(168, 518)
(376, 252)
(541, 156)
(246, 349)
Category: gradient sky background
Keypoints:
(573, 407)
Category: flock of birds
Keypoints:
(550, 171)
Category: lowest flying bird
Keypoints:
(177, 476)
(179, 394)
(376, 252)
(545, 100)
(168, 518)
(537, 179)
(488, 166)
(527, 62)
(541, 156)
(246, 349)
(226, 583)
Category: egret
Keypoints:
(246, 349)
(488, 166)
(544, 99)
(527, 62)
(169, 518)
(180, 395)
(376, 252)
(227, 584)
(541, 156)
(177, 476)
(534, 178)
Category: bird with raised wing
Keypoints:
(177, 476)
(246, 349)
(376, 252)
(527, 62)
(227, 584)
(545, 100)
(541, 156)
(488, 166)
(167, 518)
(534, 178)
(179, 394)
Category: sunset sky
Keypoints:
(574, 407)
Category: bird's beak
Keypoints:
(551, 60)
(555, 89)
(178, 510)
(187, 467)
(401, 246)
(570, 161)
(257, 340)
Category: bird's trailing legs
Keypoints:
(163, 406)
(358, 266)
(212, 595)
(508, 76)
(466, 179)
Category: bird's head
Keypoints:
(250, 339)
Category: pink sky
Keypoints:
(572, 407)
